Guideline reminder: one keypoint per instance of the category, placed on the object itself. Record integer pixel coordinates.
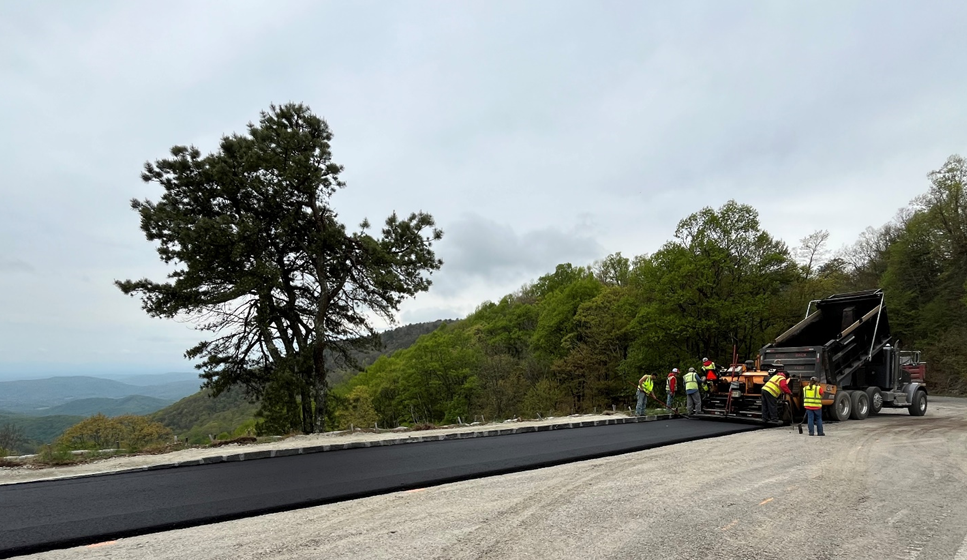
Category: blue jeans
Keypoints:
(640, 409)
(668, 400)
(818, 416)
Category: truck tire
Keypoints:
(876, 400)
(842, 406)
(861, 405)
(919, 406)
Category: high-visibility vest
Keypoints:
(648, 384)
(668, 383)
(772, 386)
(811, 397)
(691, 381)
(709, 369)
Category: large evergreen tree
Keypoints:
(264, 265)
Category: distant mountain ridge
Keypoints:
(135, 404)
(35, 396)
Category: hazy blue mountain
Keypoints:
(135, 404)
(35, 396)
(147, 379)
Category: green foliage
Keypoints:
(922, 258)
(358, 410)
(11, 438)
(38, 430)
(129, 432)
(194, 418)
(263, 264)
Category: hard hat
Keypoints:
(691, 369)
(777, 363)
(674, 370)
(704, 359)
(814, 380)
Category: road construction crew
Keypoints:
(812, 399)
(670, 385)
(775, 386)
(645, 387)
(692, 393)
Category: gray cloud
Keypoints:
(536, 133)
(14, 265)
(477, 249)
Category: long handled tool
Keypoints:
(654, 398)
(663, 405)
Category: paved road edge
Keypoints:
(271, 453)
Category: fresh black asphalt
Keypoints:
(46, 515)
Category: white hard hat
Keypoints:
(704, 359)
(675, 370)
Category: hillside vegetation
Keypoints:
(578, 338)
(36, 430)
(200, 416)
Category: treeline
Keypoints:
(578, 338)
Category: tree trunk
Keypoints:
(307, 418)
(320, 393)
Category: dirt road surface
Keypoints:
(892, 486)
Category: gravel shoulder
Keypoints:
(892, 486)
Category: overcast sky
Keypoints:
(534, 132)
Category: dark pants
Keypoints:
(770, 408)
(818, 416)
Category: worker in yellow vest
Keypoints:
(646, 385)
(692, 392)
(775, 386)
(812, 400)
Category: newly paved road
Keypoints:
(46, 515)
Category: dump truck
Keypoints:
(845, 342)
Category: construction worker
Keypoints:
(645, 387)
(812, 399)
(775, 386)
(692, 392)
(670, 385)
(708, 369)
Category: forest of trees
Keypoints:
(577, 338)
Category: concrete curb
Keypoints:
(270, 453)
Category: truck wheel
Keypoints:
(861, 405)
(876, 400)
(842, 406)
(919, 406)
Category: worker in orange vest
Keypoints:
(775, 386)
(708, 369)
(708, 374)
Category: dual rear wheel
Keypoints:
(852, 404)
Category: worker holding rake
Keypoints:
(646, 387)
